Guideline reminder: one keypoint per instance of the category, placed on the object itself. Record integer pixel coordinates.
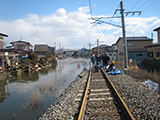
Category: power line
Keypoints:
(135, 5)
(109, 22)
(150, 5)
(144, 9)
(143, 4)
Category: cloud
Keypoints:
(73, 30)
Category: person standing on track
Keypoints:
(93, 60)
(105, 59)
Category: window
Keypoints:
(157, 54)
(21, 47)
(130, 44)
(139, 55)
(150, 54)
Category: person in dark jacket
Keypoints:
(105, 59)
(97, 67)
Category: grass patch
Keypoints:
(137, 73)
(35, 100)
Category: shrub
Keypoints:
(33, 57)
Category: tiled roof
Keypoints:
(135, 38)
(42, 48)
(137, 50)
(1, 34)
(153, 45)
(19, 41)
(157, 29)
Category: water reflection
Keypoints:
(153, 83)
(3, 94)
(49, 83)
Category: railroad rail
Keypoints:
(101, 99)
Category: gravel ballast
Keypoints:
(141, 101)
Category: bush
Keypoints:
(42, 60)
(34, 58)
(48, 54)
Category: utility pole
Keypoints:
(124, 36)
(99, 21)
(59, 48)
(55, 48)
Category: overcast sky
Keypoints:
(66, 22)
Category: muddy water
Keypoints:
(28, 96)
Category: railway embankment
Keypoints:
(140, 100)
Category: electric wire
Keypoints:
(143, 10)
(109, 22)
(142, 5)
(150, 5)
(135, 5)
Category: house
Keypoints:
(41, 50)
(154, 49)
(115, 49)
(8, 57)
(21, 47)
(135, 47)
(2, 40)
(158, 33)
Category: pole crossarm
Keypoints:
(132, 12)
(129, 12)
(110, 23)
(97, 18)
(100, 22)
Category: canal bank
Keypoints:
(141, 101)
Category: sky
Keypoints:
(68, 23)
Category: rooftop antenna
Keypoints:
(20, 37)
(151, 35)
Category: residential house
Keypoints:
(115, 49)
(41, 50)
(135, 47)
(95, 50)
(8, 57)
(154, 49)
(158, 33)
(23, 48)
(2, 40)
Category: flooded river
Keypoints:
(28, 96)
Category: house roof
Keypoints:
(41, 48)
(135, 38)
(157, 29)
(19, 41)
(153, 45)
(1, 34)
(137, 50)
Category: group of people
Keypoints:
(102, 61)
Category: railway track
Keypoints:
(100, 100)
